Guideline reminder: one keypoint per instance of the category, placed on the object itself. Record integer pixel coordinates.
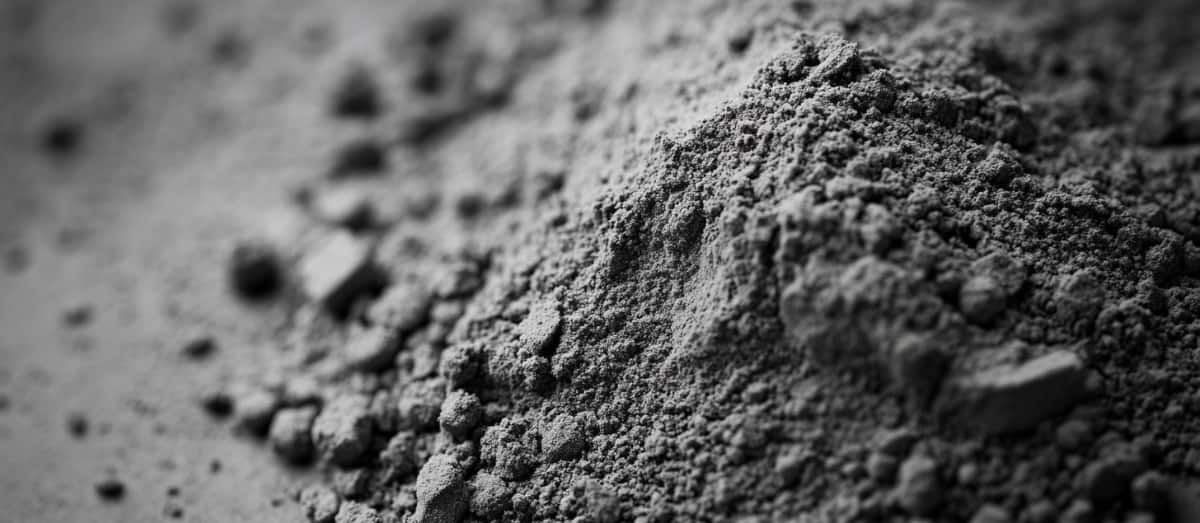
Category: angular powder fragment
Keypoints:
(352, 484)
(1012, 398)
(371, 349)
(840, 62)
(402, 308)
(563, 439)
(998, 168)
(1002, 268)
(981, 299)
(346, 206)
(336, 271)
(441, 493)
(290, 433)
(254, 408)
(540, 328)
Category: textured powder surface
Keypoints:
(601, 261)
(759, 259)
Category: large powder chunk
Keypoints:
(290, 433)
(342, 433)
(1011, 398)
(336, 271)
(441, 493)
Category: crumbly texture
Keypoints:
(757, 261)
(962, 224)
(880, 217)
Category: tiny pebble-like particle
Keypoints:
(110, 489)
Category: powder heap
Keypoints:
(849, 262)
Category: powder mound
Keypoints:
(878, 265)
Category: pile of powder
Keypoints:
(816, 262)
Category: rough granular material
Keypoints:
(879, 260)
